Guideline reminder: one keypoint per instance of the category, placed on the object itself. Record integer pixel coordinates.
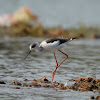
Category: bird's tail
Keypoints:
(73, 38)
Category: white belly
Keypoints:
(51, 46)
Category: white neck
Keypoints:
(38, 48)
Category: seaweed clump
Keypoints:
(80, 84)
(86, 84)
(42, 82)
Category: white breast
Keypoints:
(48, 46)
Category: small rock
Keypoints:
(26, 80)
(92, 97)
(43, 79)
(55, 83)
(45, 85)
(17, 83)
(34, 83)
(17, 87)
(2, 82)
(63, 88)
(97, 97)
(84, 79)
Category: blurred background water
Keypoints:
(66, 13)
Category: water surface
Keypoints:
(83, 61)
(67, 13)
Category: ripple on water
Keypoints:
(83, 61)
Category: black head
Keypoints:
(32, 46)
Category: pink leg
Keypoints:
(63, 59)
(53, 73)
(55, 59)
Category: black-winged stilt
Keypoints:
(51, 44)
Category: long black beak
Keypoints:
(27, 54)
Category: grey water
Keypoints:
(83, 61)
(67, 13)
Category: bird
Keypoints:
(51, 44)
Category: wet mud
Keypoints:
(80, 84)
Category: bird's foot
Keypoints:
(53, 74)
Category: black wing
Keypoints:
(61, 40)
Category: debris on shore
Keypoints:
(80, 84)
(86, 84)
(2, 82)
(97, 97)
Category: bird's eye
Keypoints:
(34, 45)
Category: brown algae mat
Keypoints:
(86, 84)
(80, 84)
(42, 82)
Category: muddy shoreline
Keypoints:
(80, 84)
(39, 31)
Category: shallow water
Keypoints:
(83, 61)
